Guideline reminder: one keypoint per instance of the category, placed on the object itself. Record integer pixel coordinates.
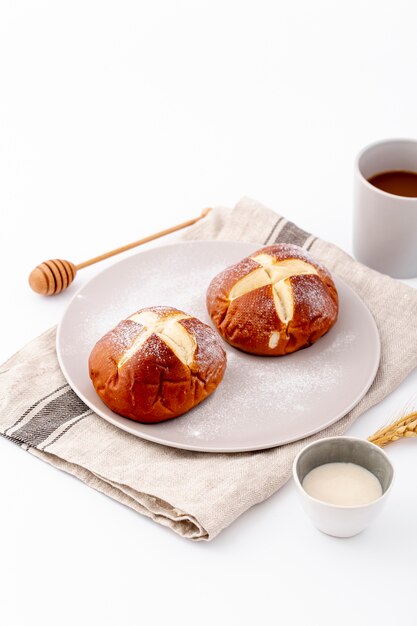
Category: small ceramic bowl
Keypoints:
(337, 520)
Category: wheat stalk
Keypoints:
(405, 426)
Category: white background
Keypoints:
(118, 119)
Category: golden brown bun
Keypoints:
(274, 302)
(157, 364)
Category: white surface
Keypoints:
(234, 418)
(117, 119)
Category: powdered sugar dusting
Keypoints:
(262, 400)
(258, 387)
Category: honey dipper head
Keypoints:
(52, 277)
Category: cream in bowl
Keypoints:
(343, 483)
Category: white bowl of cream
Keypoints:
(343, 483)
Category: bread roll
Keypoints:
(157, 364)
(274, 302)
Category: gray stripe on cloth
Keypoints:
(279, 220)
(64, 432)
(33, 406)
(290, 233)
(311, 243)
(50, 417)
(12, 439)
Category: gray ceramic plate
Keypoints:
(262, 401)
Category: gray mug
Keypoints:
(385, 225)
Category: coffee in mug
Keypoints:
(397, 182)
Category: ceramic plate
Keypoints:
(262, 401)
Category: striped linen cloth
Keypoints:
(195, 494)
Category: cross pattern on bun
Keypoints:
(157, 364)
(273, 302)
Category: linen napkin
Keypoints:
(195, 494)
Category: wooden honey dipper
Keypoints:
(53, 276)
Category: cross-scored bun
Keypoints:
(157, 364)
(275, 301)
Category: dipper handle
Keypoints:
(53, 276)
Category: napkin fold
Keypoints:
(195, 494)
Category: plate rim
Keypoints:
(129, 427)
